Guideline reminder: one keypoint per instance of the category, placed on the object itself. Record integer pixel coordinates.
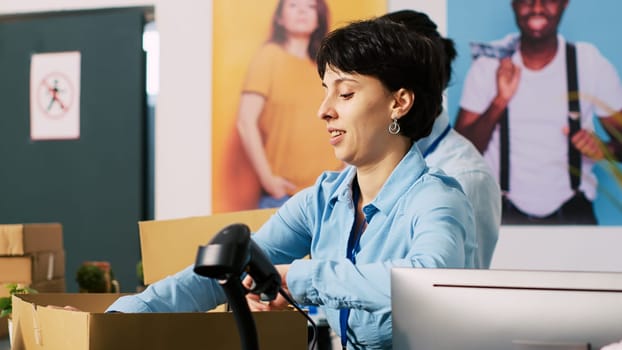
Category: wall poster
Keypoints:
(266, 83)
(500, 38)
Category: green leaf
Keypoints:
(6, 306)
(5, 302)
(12, 287)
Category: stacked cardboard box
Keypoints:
(31, 255)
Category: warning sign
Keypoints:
(55, 96)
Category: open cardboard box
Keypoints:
(36, 326)
(167, 247)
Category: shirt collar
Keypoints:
(344, 190)
(405, 174)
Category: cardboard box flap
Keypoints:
(37, 326)
(88, 302)
(20, 239)
(169, 246)
(40, 327)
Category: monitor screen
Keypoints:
(442, 309)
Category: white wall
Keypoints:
(559, 248)
(436, 9)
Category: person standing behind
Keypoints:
(385, 209)
(278, 101)
(520, 108)
(446, 149)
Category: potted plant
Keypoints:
(6, 303)
(96, 277)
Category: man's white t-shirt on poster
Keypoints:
(538, 180)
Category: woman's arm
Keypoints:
(183, 292)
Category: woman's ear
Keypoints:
(403, 101)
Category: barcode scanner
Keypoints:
(229, 255)
(226, 257)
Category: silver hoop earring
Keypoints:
(394, 127)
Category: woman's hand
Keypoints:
(66, 307)
(279, 303)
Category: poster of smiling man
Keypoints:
(537, 90)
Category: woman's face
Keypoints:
(299, 17)
(357, 110)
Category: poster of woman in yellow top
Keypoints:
(267, 140)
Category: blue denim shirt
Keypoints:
(418, 219)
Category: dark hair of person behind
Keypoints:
(279, 34)
(396, 56)
(422, 24)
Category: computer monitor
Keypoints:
(459, 309)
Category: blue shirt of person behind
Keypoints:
(420, 218)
